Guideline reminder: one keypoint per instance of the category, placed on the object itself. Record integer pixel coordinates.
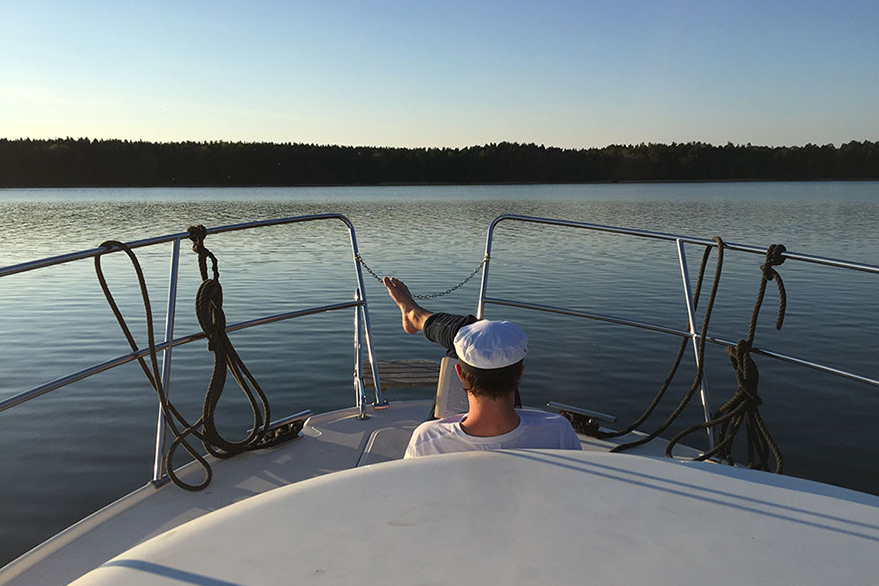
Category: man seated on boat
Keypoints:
(490, 364)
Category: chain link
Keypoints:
(359, 259)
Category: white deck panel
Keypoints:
(330, 442)
(523, 517)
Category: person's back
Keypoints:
(490, 364)
(536, 429)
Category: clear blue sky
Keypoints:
(573, 73)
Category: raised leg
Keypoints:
(413, 314)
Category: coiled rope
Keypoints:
(700, 370)
(172, 416)
(212, 320)
(213, 323)
(744, 406)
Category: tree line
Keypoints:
(116, 163)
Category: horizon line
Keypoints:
(488, 144)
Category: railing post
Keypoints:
(359, 393)
(159, 472)
(380, 402)
(483, 285)
(691, 316)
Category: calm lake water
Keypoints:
(68, 453)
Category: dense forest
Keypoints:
(84, 162)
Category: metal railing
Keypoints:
(361, 318)
(692, 333)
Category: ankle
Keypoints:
(416, 316)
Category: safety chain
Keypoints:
(359, 259)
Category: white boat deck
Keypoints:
(329, 442)
(523, 517)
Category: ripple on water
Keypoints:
(96, 435)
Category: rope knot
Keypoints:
(747, 375)
(774, 258)
(197, 234)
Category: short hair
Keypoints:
(493, 383)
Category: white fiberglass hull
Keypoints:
(523, 517)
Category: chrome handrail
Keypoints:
(125, 358)
(684, 334)
(679, 241)
(359, 305)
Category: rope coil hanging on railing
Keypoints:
(744, 406)
(172, 416)
(212, 320)
(700, 369)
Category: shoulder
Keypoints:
(530, 417)
(550, 427)
(429, 433)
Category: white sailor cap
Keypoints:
(491, 344)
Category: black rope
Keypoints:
(209, 301)
(700, 370)
(173, 418)
(197, 234)
(675, 364)
(744, 406)
(212, 320)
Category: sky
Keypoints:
(428, 73)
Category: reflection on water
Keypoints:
(71, 452)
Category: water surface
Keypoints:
(74, 450)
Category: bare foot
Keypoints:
(413, 314)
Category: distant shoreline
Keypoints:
(440, 184)
(70, 163)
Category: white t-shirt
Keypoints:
(536, 429)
